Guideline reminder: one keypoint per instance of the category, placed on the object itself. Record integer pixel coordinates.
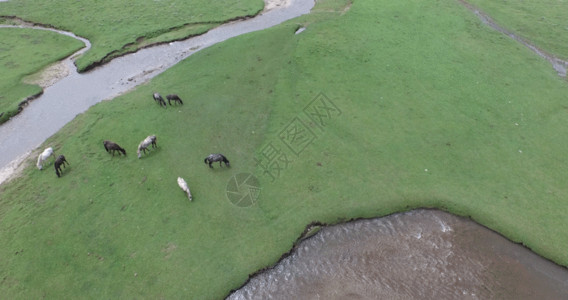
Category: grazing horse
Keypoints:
(183, 185)
(158, 98)
(175, 98)
(111, 147)
(43, 156)
(58, 162)
(216, 157)
(150, 140)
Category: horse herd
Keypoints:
(172, 97)
(112, 148)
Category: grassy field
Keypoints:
(24, 52)
(118, 27)
(542, 22)
(417, 108)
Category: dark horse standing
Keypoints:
(158, 98)
(58, 162)
(216, 158)
(111, 147)
(175, 98)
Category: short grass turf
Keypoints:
(115, 27)
(24, 52)
(420, 109)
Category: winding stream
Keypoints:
(68, 62)
(74, 94)
(63, 67)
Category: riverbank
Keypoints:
(26, 52)
(118, 27)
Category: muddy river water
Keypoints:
(423, 254)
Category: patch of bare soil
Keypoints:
(271, 4)
(347, 7)
(15, 168)
(49, 76)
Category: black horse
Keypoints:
(158, 98)
(216, 158)
(111, 147)
(175, 98)
(58, 162)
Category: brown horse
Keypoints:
(112, 147)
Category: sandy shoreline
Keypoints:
(15, 168)
(50, 75)
(271, 4)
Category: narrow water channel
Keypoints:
(422, 254)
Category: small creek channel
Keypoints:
(559, 65)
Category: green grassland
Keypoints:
(118, 27)
(24, 52)
(428, 112)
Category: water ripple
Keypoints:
(424, 254)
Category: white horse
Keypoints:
(43, 156)
(150, 140)
(183, 185)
